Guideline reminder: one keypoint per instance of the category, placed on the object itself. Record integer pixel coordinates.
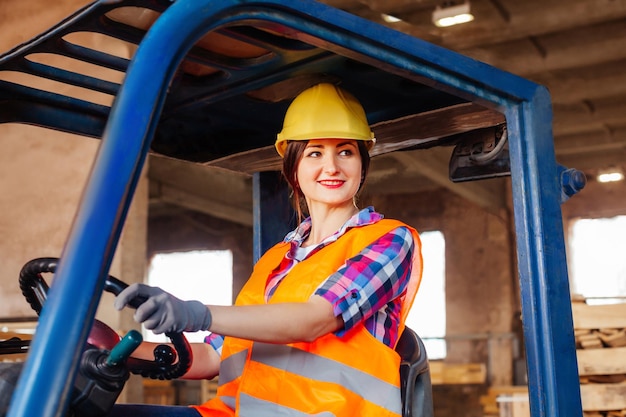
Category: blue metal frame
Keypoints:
(546, 311)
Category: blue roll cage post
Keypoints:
(546, 310)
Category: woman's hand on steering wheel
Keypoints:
(161, 312)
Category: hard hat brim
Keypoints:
(281, 143)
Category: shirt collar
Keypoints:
(364, 217)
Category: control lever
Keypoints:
(101, 377)
(124, 348)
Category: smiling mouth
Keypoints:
(331, 183)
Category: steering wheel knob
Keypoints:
(164, 355)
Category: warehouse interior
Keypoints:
(575, 48)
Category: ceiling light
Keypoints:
(454, 14)
(610, 176)
(390, 19)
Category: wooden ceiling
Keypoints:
(577, 48)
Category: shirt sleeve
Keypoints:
(216, 341)
(370, 280)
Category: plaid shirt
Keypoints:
(366, 288)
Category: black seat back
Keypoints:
(9, 374)
(416, 388)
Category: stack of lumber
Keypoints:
(442, 373)
(506, 401)
(600, 332)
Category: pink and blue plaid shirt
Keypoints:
(366, 288)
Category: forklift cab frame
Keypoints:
(234, 109)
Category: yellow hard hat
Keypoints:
(324, 111)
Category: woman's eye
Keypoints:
(313, 154)
(346, 152)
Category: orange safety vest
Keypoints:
(351, 375)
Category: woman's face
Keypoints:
(330, 172)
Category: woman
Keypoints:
(313, 330)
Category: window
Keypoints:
(596, 258)
(428, 314)
(206, 276)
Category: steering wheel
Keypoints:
(35, 290)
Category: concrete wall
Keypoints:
(43, 174)
(43, 171)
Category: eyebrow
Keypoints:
(348, 142)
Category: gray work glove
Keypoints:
(161, 312)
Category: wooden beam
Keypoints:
(603, 397)
(585, 83)
(602, 43)
(591, 141)
(427, 127)
(461, 373)
(604, 361)
(256, 160)
(592, 150)
(433, 164)
(593, 160)
(202, 180)
(599, 316)
(584, 116)
(212, 207)
(391, 135)
(210, 190)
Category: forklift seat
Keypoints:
(9, 374)
(416, 387)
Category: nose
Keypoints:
(330, 165)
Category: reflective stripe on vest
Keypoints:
(232, 367)
(318, 368)
(259, 408)
(229, 401)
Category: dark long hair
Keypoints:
(293, 154)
